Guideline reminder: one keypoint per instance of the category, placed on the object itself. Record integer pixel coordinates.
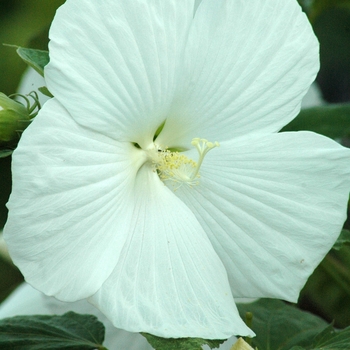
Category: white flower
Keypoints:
(96, 211)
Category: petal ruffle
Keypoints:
(114, 64)
(247, 66)
(272, 208)
(168, 281)
(68, 211)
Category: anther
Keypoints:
(176, 167)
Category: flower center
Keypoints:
(178, 168)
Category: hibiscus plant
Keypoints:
(155, 187)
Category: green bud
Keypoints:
(14, 118)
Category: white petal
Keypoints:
(247, 66)
(272, 208)
(113, 64)
(68, 211)
(26, 300)
(169, 280)
(196, 4)
(313, 97)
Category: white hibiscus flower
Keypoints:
(97, 210)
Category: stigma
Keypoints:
(176, 168)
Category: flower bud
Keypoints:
(14, 118)
(241, 345)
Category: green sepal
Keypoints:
(45, 91)
(344, 238)
(5, 153)
(11, 126)
(159, 343)
(159, 130)
(36, 59)
(70, 331)
(332, 121)
(14, 118)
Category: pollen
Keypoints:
(179, 169)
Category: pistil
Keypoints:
(178, 168)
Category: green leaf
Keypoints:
(159, 343)
(332, 121)
(327, 291)
(344, 238)
(279, 326)
(316, 8)
(45, 91)
(70, 331)
(330, 339)
(5, 153)
(37, 59)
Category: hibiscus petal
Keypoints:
(168, 281)
(68, 209)
(247, 66)
(272, 208)
(113, 64)
(25, 300)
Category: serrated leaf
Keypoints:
(70, 331)
(332, 121)
(159, 343)
(279, 326)
(37, 59)
(344, 238)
